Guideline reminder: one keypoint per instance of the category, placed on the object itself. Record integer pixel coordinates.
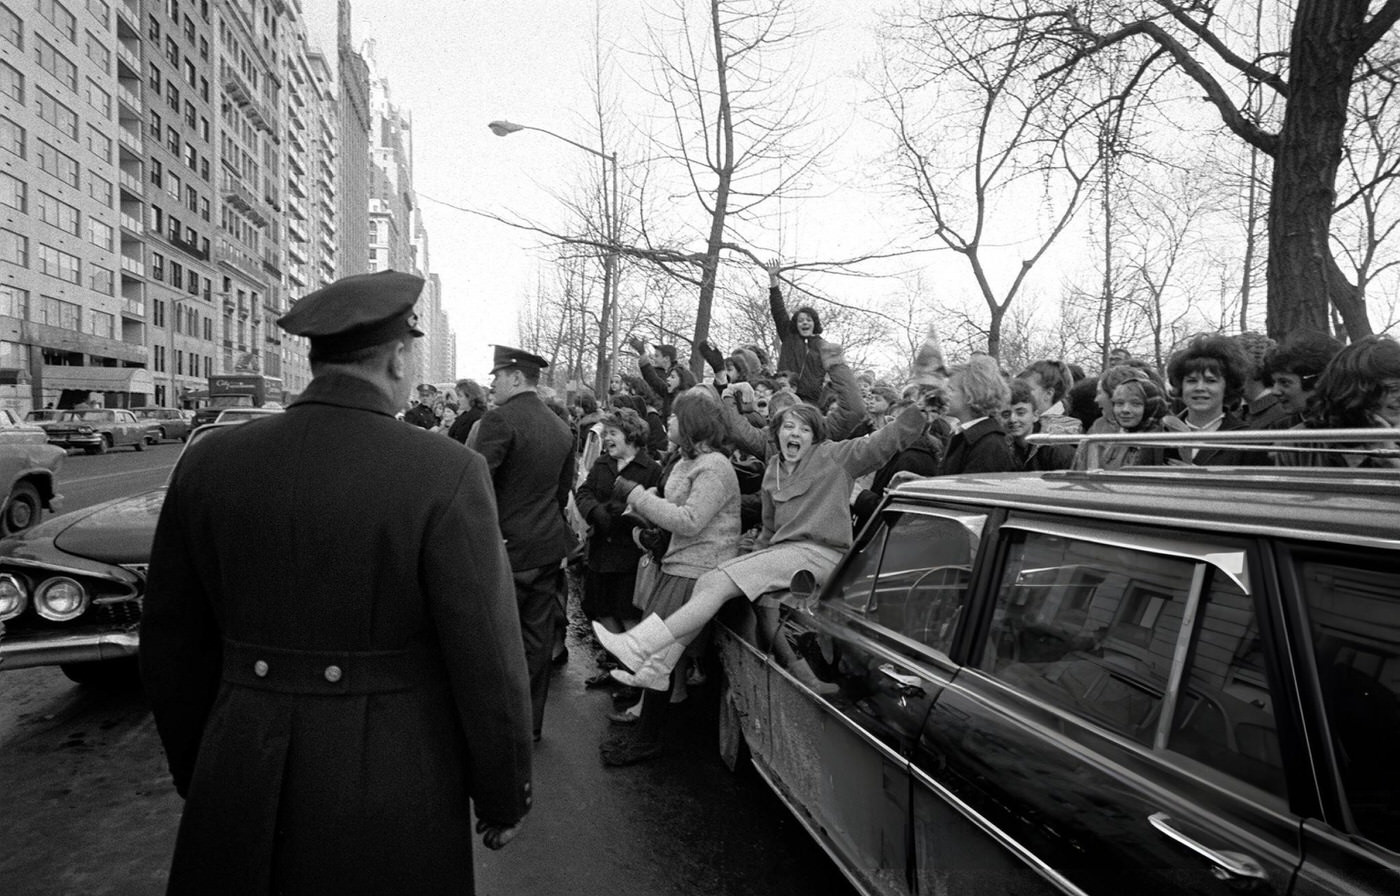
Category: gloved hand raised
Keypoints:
(622, 489)
(832, 354)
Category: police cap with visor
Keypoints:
(356, 312)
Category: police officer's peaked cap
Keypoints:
(357, 312)
(514, 357)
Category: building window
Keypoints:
(11, 82)
(100, 323)
(99, 144)
(100, 188)
(158, 358)
(14, 248)
(14, 302)
(60, 17)
(173, 186)
(154, 77)
(100, 234)
(11, 137)
(172, 140)
(158, 313)
(203, 48)
(157, 219)
(172, 51)
(177, 275)
(14, 192)
(180, 361)
(61, 314)
(99, 99)
(11, 28)
(58, 163)
(155, 124)
(153, 27)
(58, 213)
(204, 169)
(172, 97)
(56, 64)
(157, 266)
(101, 280)
(99, 53)
(57, 263)
(57, 114)
(157, 173)
(173, 228)
(99, 10)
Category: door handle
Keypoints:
(1232, 864)
(909, 685)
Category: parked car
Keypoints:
(97, 429)
(71, 587)
(1157, 681)
(243, 415)
(166, 423)
(28, 469)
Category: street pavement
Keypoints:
(86, 806)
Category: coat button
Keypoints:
(260, 668)
(332, 674)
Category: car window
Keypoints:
(919, 565)
(1224, 717)
(1354, 612)
(1088, 627)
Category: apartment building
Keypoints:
(67, 325)
(173, 174)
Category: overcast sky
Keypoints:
(457, 64)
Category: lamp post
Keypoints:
(608, 321)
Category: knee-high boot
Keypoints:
(634, 646)
(655, 673)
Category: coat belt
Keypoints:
(324, 672)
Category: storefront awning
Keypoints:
(99, 379)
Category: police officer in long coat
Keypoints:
(330, 641)
(531, 455)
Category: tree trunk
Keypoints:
(724, 171)
(1303, 277)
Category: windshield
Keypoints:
(231, 401)
(89, 416)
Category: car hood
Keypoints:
(117, 532)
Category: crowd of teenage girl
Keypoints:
(692, 494)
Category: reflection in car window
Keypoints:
(1090, 628)
(1354, 608)
(852, 590)
(924, 576)
(1225, 717)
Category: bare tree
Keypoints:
(978, 141)
(1327, 51)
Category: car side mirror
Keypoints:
(804, 585)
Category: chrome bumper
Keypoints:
(51, 651)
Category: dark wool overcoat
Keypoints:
(332, 651)
(531, 455)
(980, 448)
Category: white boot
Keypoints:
(633, 646)
(655, 673)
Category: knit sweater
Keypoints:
(812, 502)
(700, 510)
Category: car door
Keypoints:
(1115, 725)
(1349, 613)
(877, 639)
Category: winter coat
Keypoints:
(800, 356)
(980, 448)
(335, 673)
(700, 510)
(610, 546)
(530, 452)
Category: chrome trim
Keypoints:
(46, 611)
(1006, 840)
(59, 569)
(23, 596)
(1231, 562)
(1234, 864)
(1099, 515)
(68, 649)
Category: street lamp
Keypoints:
(503, 128)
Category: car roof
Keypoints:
(1343, 506)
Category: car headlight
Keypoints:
(14, 597)
(60, 599)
